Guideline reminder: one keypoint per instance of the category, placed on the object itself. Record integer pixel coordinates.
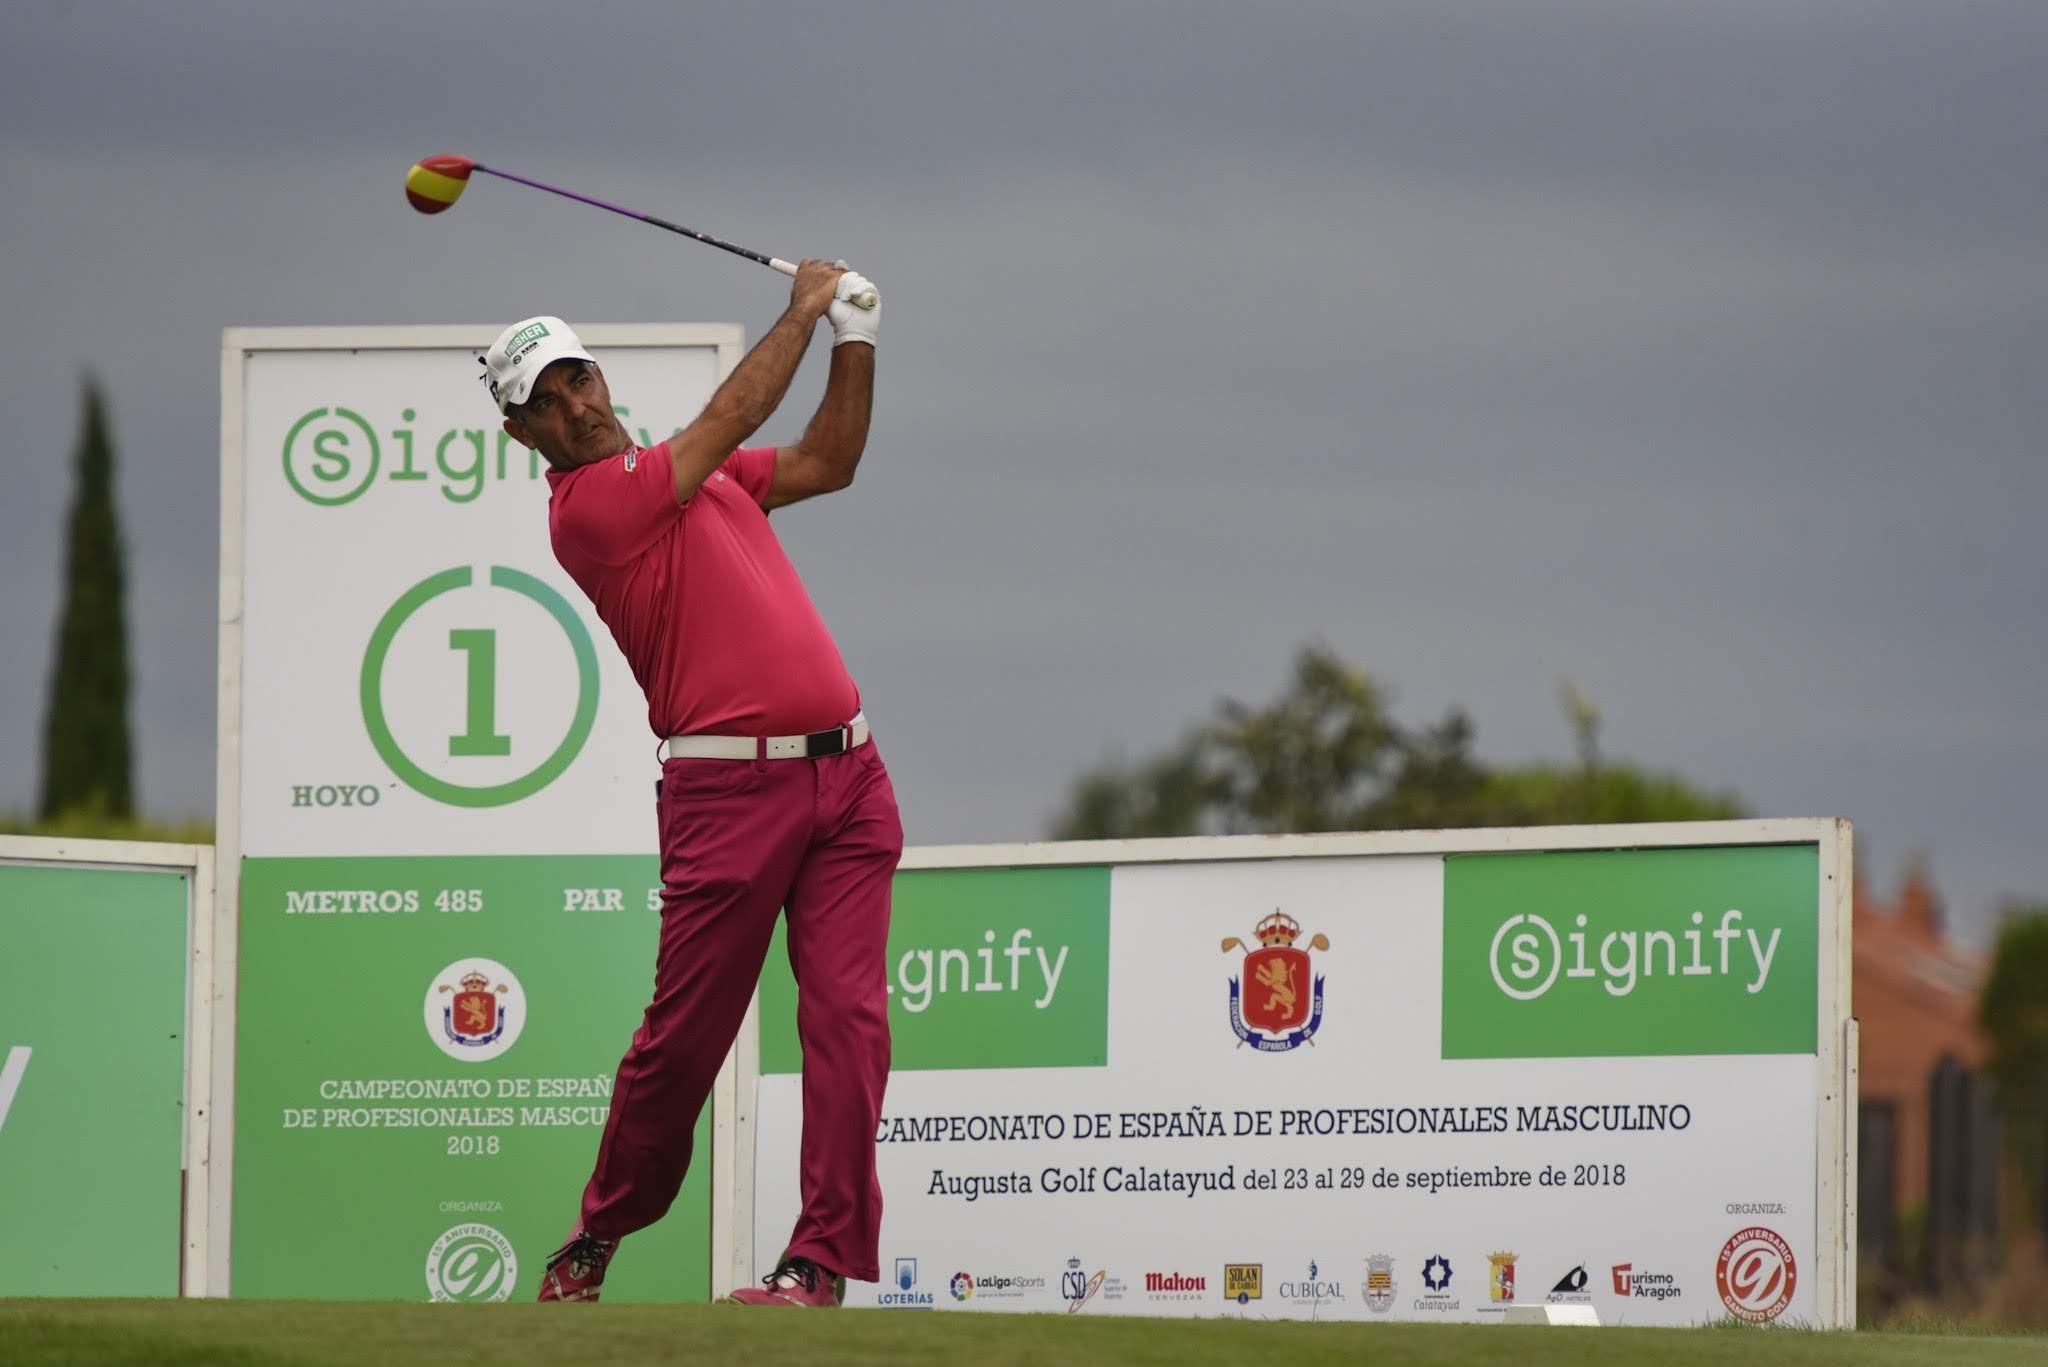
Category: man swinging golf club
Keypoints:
(772, 796)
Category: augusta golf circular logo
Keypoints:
(475, 1009)
(451, 704)
(472, 1263)
(1756, 1275)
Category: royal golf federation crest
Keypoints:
(1272, 1006)
(475, 1009)
(1379, 1283)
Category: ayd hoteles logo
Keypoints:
(1273, 1007)
(475, 1009)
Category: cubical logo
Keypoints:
(475, 1010)
(458, 747)
(472, 1262)
(1633, 952)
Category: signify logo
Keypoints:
(1527, 954)
(924, 974)
(1608, 953)
(335, 455)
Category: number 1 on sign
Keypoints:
(481, 737)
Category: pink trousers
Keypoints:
(816, 839)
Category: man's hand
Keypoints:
(851, 324)
(813, 291)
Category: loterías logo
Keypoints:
(1272, 1005)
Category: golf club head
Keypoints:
(435, 183)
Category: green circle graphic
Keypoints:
(466, 795)
(292, 476)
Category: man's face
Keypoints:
(568, 417)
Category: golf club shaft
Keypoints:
(776, 263)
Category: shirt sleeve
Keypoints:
(614, 510)
(754, 468)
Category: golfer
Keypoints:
(772, 796)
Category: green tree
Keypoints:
(1327, 755)
(2013, 1011)
(87, 764)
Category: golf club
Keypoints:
(435, 183)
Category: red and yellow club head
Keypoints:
(436, 183)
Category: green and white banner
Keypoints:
(437, 807)
(92, 1071)
(1421, 1086)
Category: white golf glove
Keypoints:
(851, 324)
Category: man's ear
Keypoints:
(517, 431)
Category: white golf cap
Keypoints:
(523, 351)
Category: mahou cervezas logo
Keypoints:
(1276, 1003)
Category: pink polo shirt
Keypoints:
(701, 599)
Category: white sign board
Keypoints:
(1409, 1077)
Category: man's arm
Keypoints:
(756, 386)
(824, 460)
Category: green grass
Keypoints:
(300, 1334)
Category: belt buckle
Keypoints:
(821, 743)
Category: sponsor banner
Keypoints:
(425, 1058)
(92, 1041)
(448, 896)
(1267, 1117)
(988, 968)
(1580, 955)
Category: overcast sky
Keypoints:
(1692, 353)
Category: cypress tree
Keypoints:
(86, 758)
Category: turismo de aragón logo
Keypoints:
(480, 737)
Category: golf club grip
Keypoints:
(864, 300)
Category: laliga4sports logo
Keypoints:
(1273, 1006)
